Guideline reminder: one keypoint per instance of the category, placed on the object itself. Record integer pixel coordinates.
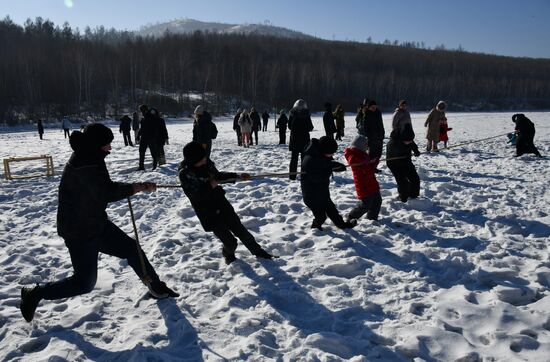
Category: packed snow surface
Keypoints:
(462, 273)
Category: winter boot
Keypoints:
(348, 224)
(30, 297)
(159, 290)
(263, 255)
(229, 258)
(317, 225)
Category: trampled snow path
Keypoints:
(462, 273)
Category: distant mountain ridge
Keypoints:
(185, 26)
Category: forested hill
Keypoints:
(46, 69)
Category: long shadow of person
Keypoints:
(342, 333)
(183, 343)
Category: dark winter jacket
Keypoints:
(359, 122)
(203, 129)
(363, 172)
(300, 125)
(339, 116)
(282, 122)
(84, 192)
(236, 126)
(256, 124)
(265, 117)
(328, 123)
(135, 122)
(162, 131)
(148, 132)
(396, 147)
(40, 128)
(317, 170)
(209, 203)
(400, 117)
(373, 127)
(524, 126)
(125, 124)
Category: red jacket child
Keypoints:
(443, 129)
(368, 189)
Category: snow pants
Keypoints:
(227, 232)
(112, 241)
(369, 205)
(408, 182)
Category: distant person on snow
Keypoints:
(162, 136)
(200, 181)
(245, 123)
(135, 127)
(124, 128)
(204, 130)
(256, 123)
(265, 120)
(84, 192)
(282, 123)
(328, 121)
(401, 116)
(237, 128)
(299, 124)
(432, 126)
(40, 127)
(525, 130)
(147, 137)
(398, 153)
(317, 168)
(340, 122)
(364, 177)
(443, 129)
(66, 126)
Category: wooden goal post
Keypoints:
(47, 158)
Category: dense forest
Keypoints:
(47, 71)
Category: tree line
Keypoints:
(48, 71)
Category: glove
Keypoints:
(338, 167)
(417, 153)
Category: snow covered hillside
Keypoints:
(462, 273)
(188, 26)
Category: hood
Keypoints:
(313, 148)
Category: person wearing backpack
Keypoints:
(204, 130)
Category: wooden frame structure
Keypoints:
(47, 158)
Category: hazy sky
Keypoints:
(506, 27)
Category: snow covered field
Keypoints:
(462, 273)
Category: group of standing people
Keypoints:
(247, 125)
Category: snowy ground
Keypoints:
(462, 273)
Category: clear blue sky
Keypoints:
(506, 27)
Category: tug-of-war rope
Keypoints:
(286, 174)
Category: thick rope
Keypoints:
(146, 278)
(265, 175)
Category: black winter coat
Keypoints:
(300, 125)
(210, 204)
(84, 192)
(203, 129)
(317, 170)
(282, 122)
(125, 124)
(396, 147)
(148, 130)
(40, 128)
(162, 131)
(256, 124)
(373, 127)
(328, 122)
(265, 117)
(236, 126)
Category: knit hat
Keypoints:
(441, 105)
(94, 137)
(143, 108)
(193, 152)
(372, 103)
(199, 111)
(328, 145)
(360, 142)
(300, 104)
(407, 133)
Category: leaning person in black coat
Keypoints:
(299, 124)
(200, 181)
(317, 168)
(84, 192)
(398, 159)
(525, 130)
